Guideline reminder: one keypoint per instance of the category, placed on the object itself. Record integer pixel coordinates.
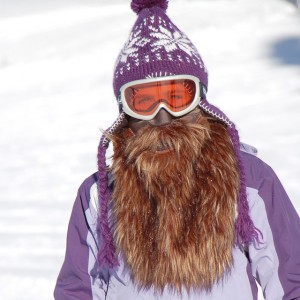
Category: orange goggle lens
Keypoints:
(176, 94)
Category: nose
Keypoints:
(161, 118)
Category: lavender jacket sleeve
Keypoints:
(275, 263)
(78, 277)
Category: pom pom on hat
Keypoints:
(138, 5)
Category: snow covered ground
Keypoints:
(56, 63)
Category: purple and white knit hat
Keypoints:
(157, 48)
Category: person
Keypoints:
(185, 211)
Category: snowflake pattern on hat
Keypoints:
(156, 45)
(133, 44)
(160, 38)
(171, 41)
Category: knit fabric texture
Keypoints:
(155, 48)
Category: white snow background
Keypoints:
(56, 68)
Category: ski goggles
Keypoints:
(178, 94)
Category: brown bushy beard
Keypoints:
(174, 201)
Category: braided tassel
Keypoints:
(245, 230)
(107, 252)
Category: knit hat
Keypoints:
(157, 48)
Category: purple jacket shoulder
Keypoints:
(78, 275)
(275, 263)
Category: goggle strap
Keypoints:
(203, 90)
(119, 101)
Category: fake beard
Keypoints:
(174, 201)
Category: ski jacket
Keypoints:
(274, 264)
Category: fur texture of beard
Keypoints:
(174, 202)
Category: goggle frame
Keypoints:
(200, 90)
